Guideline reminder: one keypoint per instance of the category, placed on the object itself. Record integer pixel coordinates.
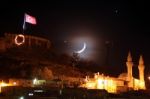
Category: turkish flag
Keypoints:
(30, 19)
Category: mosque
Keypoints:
(124, 82)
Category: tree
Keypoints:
(46, 73)
(36, 72)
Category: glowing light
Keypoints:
(21, 97)
(90, 85)
(30, 94)
(142, 85)
(19, 42)
(34, 81)
(38, 90)
(149, 77)
(136, 84)
(3, 84)
(14, 83)
(101, 82)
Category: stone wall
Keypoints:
(8, 41)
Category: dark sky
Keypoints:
(119, 25)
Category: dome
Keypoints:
(123, 76)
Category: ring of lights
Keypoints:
(19, 42)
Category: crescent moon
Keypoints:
(82, 50)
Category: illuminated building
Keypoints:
(3, 84)
(124, 82)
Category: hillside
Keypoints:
(28, 63)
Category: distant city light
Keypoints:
(19, 42)
(149, 78)
(38, 90)
(34, 81)
(30, 94)
(3, 84)
(21, 97)
(14, 83)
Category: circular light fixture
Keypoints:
(19, 39)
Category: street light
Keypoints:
(21, 97)
(34, 81)
(148, 77)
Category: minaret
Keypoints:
(141, 68)
(129, 64)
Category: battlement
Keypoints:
(8, 41)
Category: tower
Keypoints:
(129, 65)
(141, 68)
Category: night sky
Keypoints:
(110, 29)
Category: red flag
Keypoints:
(30, 19)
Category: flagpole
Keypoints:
(24, 23)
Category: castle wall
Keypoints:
(2, 45)
(8, 41)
